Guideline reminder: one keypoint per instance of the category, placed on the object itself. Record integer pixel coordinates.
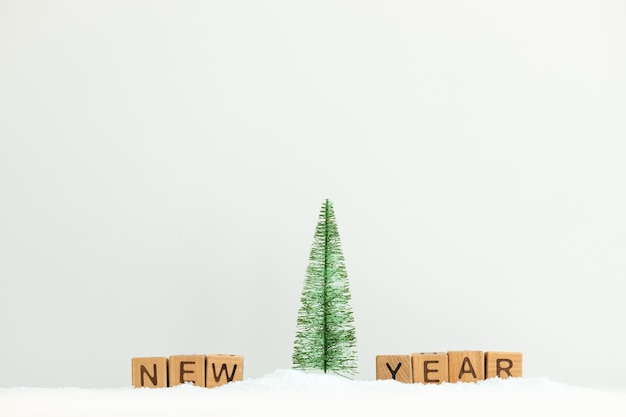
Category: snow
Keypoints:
(296, 393)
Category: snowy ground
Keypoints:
(293, 393)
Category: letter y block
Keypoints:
(396, 367)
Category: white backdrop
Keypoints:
(162, 165)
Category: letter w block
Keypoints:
(149, 372)
(222, 369)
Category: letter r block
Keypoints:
(397, 367)
(149, 372)
(430, 368)
(503, 364)
(466, 365)
(222, 369)
(186, 368)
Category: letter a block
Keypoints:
(149, 372)
(503, 364)
(397, 367)
(186, 368)
(466, 366)
(430, 368)
(222, 369)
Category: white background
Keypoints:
(162, 165)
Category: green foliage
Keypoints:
(325, 336)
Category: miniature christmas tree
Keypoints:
(325, 336)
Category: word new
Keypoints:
(452, 366)
(204, 371)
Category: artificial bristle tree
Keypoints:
(325, 336)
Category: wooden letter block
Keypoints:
(397, 367)
(222, 369)
(466, 366)
(503, 364)
(430, 368)
(187, 368)
(149, 372)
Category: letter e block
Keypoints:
(466, 366)
(503, 364)
(430, 368)
(149, 372)
(222, 369)
(186, 368)
(397, 367)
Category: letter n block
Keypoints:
(503, 364)
(466, 366)
(397, 367)
(149, 372)
(222, 369)
(430, 368)
(186, 368)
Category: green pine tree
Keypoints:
(325, 336)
